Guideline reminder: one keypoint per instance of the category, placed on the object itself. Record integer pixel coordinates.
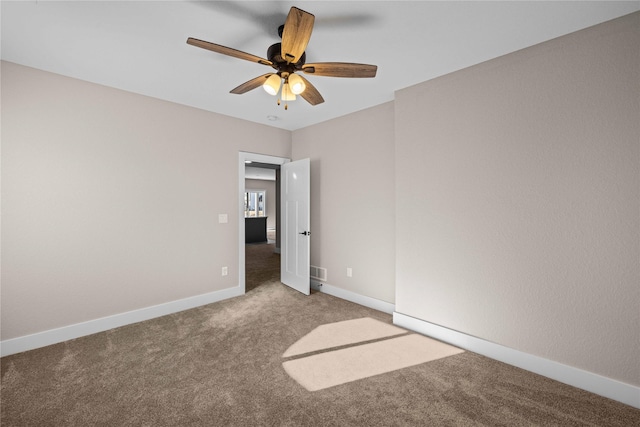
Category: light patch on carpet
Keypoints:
(337, 367)
(342, 333)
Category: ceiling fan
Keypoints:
(287, 58)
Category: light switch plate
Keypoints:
(223, 219)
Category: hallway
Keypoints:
(262, 265)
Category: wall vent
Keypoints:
(318, 273)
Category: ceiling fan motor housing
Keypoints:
(274, 55)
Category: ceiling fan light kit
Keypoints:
(288, 57)
(296, 84)
(272, 84)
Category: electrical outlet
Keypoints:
(225, 271)
(349, 272)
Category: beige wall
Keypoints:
(270, 188)
(110, 200)
(352, 199)
(523, 173)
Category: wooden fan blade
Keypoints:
(340, 69)
(296, 34)
(228, 51)
(311, 94)
(251, 84)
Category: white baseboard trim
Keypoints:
(65, 333)
(594, 383)
(376, 304)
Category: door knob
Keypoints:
(306, 233)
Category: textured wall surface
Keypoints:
(110, 200)
(525, 172)
(352, 199)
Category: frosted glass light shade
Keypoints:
(287, 95)
(296, 84)
(272, 84)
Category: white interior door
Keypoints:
(296, 236)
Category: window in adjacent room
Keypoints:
(254, 203)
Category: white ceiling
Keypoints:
(259, 173)
(140, 46)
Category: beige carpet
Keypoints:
(342, 366)
(221, 365)
(262, 265)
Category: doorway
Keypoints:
(259, 261)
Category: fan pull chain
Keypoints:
(280, 91)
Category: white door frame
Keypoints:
(242, 158)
